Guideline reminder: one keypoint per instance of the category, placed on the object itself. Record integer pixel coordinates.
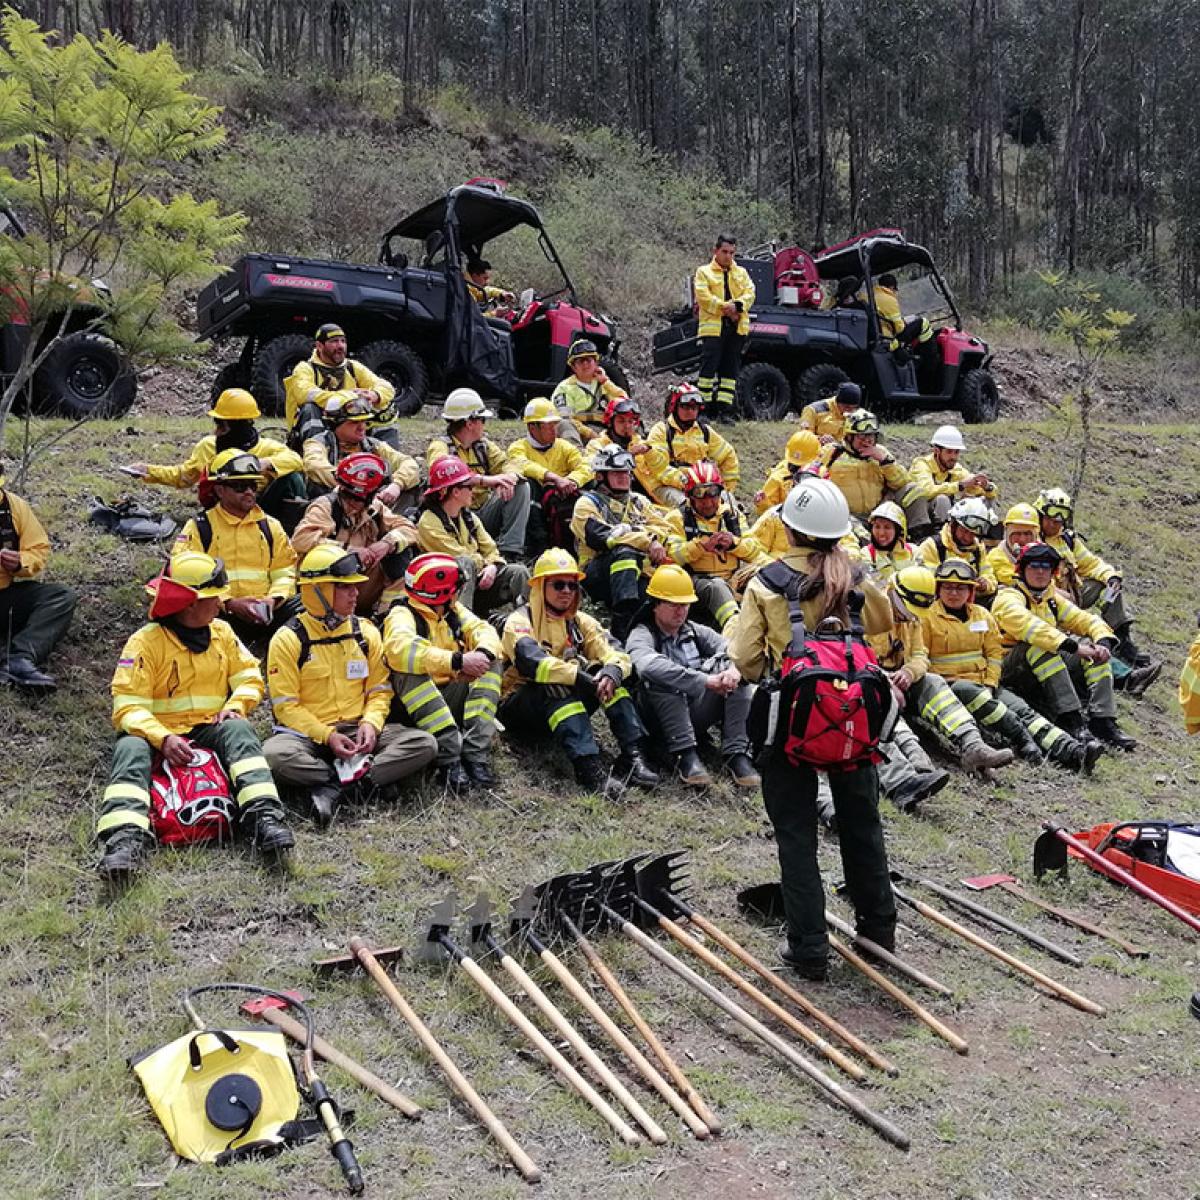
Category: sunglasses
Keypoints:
(240, 485)
(565, 585)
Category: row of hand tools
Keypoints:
(632, 898)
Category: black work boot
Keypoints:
(590, 773)
(269, 835)
(743, 772)
(1140, 678)
(1030, 751)
(690, 769)
(920, 787)
(125, 851)
(1107, 730)
(23, 673)
(815, 970)
(324, 803)
(454, 778)
(634, 769)
(1083, 755)
(480, 772)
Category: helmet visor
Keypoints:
(956, 571)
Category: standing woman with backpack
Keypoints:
(816, 576)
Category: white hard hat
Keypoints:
(464, 403)
(973, 514)
(948, 437)
(816, 508)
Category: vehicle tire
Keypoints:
(818, 382)
(231, 375)
(402, 367)
(978, 397)
(273, 363)
(84, 375)
(763, 392)
(615, 372)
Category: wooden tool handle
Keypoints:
(1075, 919)
(901, 997)
(619, 994)
(847, 1099)
(886, 956)
(619, 1039)
(764, 1001)
(797, 998)
(1065, 993)
(322, 1049)
(548, 1051)
(528, 1168)
(576, 1041)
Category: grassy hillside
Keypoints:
(1048, 1099)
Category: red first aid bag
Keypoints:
(192, 803)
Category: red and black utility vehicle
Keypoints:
(800, 348)
(410, 318)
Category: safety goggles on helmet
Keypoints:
(581, 348)
(705, 491)
(215, 583)
(355, 408)
(612, 458)
(619, 407)
(1055, 503)
(703, 479)
(238, 467)
(861, 422)
(916, 586)
(684, 393)
(341, 569)
(1057, 512)
(955, 570)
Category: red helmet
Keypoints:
(447, 472)
(432, 578)
(361, 475)
(702, 476)
(621, 404)
(681, 391)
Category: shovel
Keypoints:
(1010, 883)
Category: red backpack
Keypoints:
(192, 803)
(831, 704)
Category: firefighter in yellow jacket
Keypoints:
(1020, 528)
(712, 543)
(331, 694)
(258, 556)
(827, 418)
(888, 549)
(966, 650)
(34, 615)
(185, 681)
(898, 333)
(1056, 654)
(938, 479)
(865, 471)
(962, 537)
(583, 397)
(556, 470)
(329, 371)
(446, 665)
(1189, 689)
(724, 297)
(803, 449)
(563, 667)
(652, 469)
(688, 439)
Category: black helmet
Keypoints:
(848, 393)
(331, 329)
(1037, 554)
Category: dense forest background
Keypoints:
(1009, 133)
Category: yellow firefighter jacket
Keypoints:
(21, 531)
(863, 481)
(419, 640)
(561, 457)
(762, 630)
(461, 537)
(929, 480)
(314, 382)
(1042, 620)
(1078, 562)
(602, 521)
(685, 448)
(968, 648)
(776, 486)
(888, 562)
(259, 559)
(902, 646)
(484, 457)
(770, 533)
(160, 687)
(934, 551)
(1189, 689)
(584, 403)
(275, 457)
(322, 454)
(483, 296)
(715, 286)
(321, 678)
(1003, 564)
(651, 468)
(690, 531)
(544, 648)
(825, 419)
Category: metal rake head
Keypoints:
(481, 917)
(523, 913)
(441, 922)
(663, 879)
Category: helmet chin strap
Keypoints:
(330, 619)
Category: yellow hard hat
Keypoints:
(539, 409)
(556, 562)
(235, 404)
(330, 562)
(802, 447)
(202, 573)
(234, 464)
(916, 586)
(1022, 515)
(672, 583)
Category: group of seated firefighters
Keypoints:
(407, 610)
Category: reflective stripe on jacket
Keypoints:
(418, 640)
(969, 649)
(1041, 622)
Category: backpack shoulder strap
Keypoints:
(302, 636)
(204, 530)
(786, 582)
(9, 538)
(264, 527)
